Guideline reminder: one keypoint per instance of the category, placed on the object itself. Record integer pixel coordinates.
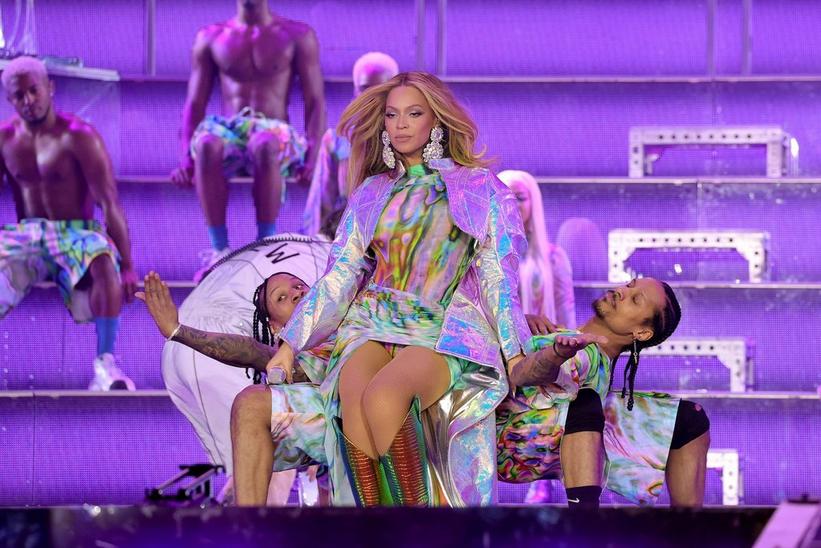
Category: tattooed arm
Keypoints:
(235, 350)
(543, 367)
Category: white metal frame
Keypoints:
(734, 354)
(732, 486)
(752, 245)
(780, 158)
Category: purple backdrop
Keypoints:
(78, 449)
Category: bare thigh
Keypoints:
(415, 372)
(357, 372)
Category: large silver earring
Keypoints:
(434, 149)
(387, 152)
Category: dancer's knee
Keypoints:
(585, 413)
(691, 422)
(251, 407)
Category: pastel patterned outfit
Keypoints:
(36, 250)
(329, 190)
(467, 308)
(636, 442)
(298, 415)
(530, 425)
(236, 131)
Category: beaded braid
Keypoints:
(664, 324)
(262, 331)
(630, 374)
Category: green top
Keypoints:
(416, 170)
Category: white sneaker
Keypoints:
(208, 259)
(107, 376)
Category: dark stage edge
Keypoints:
(507, 526)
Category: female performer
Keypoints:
(545, 275)
(422, 292)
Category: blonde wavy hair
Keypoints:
(535, 268)
(363, 121)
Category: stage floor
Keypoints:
(509, 526)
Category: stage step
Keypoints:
(168, 227)
(72, 447)
(42, 348)
(82, 447)
(558, 112)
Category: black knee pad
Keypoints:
(585, 413)
(691, 422)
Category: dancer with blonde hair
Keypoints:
(421, 291)
(545, 275)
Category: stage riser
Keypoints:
(42, 348)
(106, 450)
(553, 131)
(549, 37)
(168, 228)
(71, 450)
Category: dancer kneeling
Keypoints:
(554, 425)
(422, 291)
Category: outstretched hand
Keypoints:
(282, 361)
(567, 345)
(158, 299)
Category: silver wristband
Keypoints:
(174, 333)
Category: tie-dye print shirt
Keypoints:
(530, 422)
(417, 246)
(589, 368)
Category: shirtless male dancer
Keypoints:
(254, 56)
(58, 169)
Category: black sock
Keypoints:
(583, 498)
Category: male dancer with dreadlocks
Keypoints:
(216, 328)
(560, 415)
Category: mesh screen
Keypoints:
(555, 37)
(786, 212)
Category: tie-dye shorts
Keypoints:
(236, 132)
(36, 250)
(297, 426)
(637, 444)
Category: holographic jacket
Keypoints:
(483, 323)
(485, 314)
